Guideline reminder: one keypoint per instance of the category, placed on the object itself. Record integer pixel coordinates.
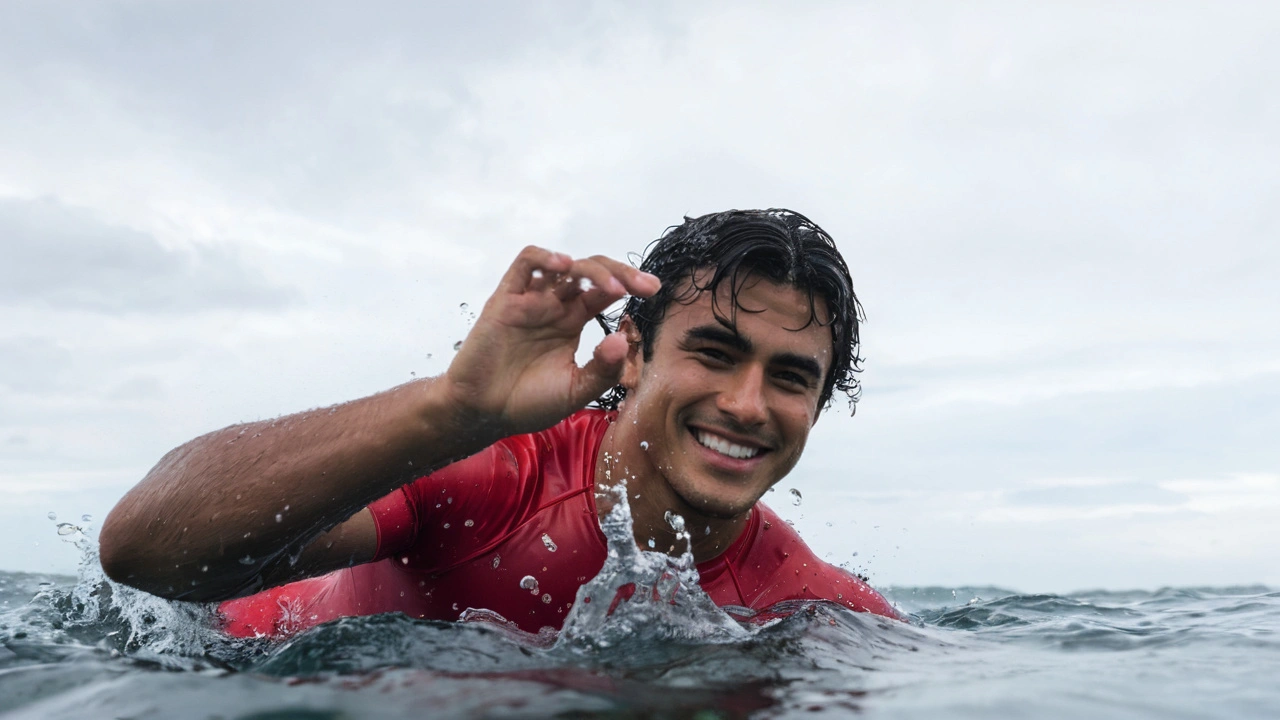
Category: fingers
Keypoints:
(598, 281)
(535, 269)
(601, 372)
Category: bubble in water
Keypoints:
(457, 346)
(53, 515)
(67, 528)
(530, 583)
(546, 598)
(644, 444)
(497, 559)
(469, 523)
(795, 496)
(551, 544)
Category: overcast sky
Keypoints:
(1061, 218)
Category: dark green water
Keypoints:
(81, 648)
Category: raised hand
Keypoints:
(515, 371)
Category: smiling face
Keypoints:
(725, 403)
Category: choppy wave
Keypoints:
(77, 647)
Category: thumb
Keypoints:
(601, 372)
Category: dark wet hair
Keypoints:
(782, 246)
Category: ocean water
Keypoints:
(81, 647)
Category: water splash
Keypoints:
(666, 603)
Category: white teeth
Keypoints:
(724, 447)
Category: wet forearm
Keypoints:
(220, 508)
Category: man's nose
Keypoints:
(743, 399)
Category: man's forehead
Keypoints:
(728, 299)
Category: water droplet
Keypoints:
(464, 307)
(413, 374)
(246, 560)
(496, 560)
(279, 517)
(675, 521)
(546, 598)
(795, 496)
(585, 284)
(652, 544)
(404, 560)
(67, 529)
(828, 524)
(536, 274)
(53, 515)
(446, 526)
(551, 544)
(457, 346)
(204, 568)
(428, 356)
(530, 583)
(86, 518)
(644, 444)
(469, 523)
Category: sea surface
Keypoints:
(82, 647)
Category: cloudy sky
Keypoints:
(1061, 218)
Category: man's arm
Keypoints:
(254, 505)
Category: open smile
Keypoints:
(730, 448)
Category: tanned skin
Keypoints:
(256, 505)
(718, 414)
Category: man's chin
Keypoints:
(717, 508)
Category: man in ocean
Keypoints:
(484, 487)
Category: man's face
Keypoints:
(723, 407)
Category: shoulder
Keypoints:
(787, 569)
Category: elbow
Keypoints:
(115, 553)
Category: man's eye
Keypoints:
(794, 379)
(714, 355)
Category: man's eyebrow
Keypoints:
(726, 334)
(804, 364)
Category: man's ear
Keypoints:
(635, 355)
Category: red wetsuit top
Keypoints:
(467, 535)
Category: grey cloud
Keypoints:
(62, 257)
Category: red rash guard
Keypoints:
(467, 535)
